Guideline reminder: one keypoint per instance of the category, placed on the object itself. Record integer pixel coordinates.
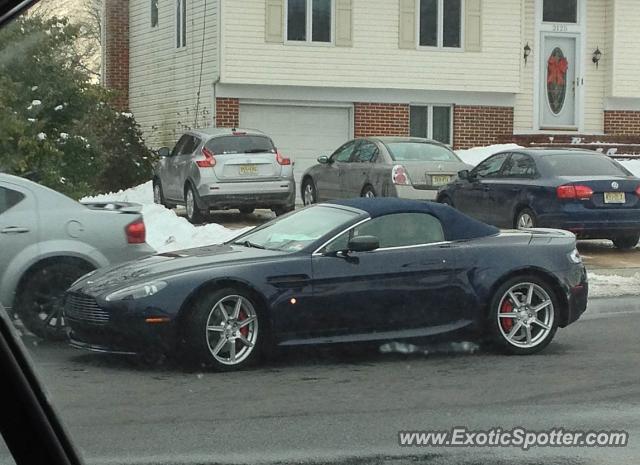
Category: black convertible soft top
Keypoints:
(456, 225)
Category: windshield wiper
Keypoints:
(251, 245)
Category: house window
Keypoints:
(440, 23)
(431, 121)
(309, 20)
(560, 11)
(154, 13)
(181, 23)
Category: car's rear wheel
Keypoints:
(194, 214)
(526, 219)
(368, 192)
(626, 242)
(523, 316)
(39, 302)
(309, 193)
(226, 330)
(246, 210)
(158, 195)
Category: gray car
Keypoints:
(219, 169)
(407, 167)
(48, 241)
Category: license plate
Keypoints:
(614, 197)
(250, 170)
(440, 180)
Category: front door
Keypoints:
(559, 83)
(328, 179)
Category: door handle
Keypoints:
(14, 230)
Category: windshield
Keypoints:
(240, 144)
(420, 151)
(569, 164)
(298, 230)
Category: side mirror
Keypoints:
(164, 152)
(323, 160)
(464, 174)
(363, 244)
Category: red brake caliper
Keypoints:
(507, 323)
(241, 317)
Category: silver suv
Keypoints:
(219, 169)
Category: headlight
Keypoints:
(137, 292)
(575, 257)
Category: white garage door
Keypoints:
(302, 133)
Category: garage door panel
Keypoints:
(302, 133)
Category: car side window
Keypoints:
(366, 153)
(394, 230)
(9, 199)
(519, 166)
(177, 149)
(343, 154)
(190, 145)
(491, 167)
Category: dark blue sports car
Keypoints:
(581, 191)
(348, 271)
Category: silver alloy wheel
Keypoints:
(525, 221)
(525, 315)
(157, 197)
(232, 330)
(369, 194)
(190, 203)
(308, 194)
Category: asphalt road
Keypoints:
(346, 405)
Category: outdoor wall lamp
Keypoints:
(597, 54)
(527, 52)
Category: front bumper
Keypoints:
(576, 292)
(264, 194)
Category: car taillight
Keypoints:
(574, 192)
(209, 160)
(638, 191)
(400, 176)
(281, 159)
(136, 232)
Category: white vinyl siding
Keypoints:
(375, 59)
(625, 49)
(163, 80)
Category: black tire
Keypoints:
(309, 192)
(523, 217)
(279, 211)
(39, 302)
(368, 191)
(194, 214)
(445, 200)
(199, 347)
(626, 242)
(497, 326)
(246, 210)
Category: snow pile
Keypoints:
(477, 154)
(167, 231)
(604, 285)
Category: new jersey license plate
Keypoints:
(614, 197)
(440, 180)
(248, 170)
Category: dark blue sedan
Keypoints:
(581, 191)
(349, 271)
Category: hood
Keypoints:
(167, 264)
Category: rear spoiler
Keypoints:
(120, 207)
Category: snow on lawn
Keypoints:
(605, 285)
(167, 231)
(477, 154)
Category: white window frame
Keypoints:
(181, 25)
(429, 107)
(440, 45)
(309, 25)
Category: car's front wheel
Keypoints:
(523, 316)
(226, 330)
(309, 193)
(39, 302)
(626, 242)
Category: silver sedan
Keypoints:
(407, 167)
(48, 241)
